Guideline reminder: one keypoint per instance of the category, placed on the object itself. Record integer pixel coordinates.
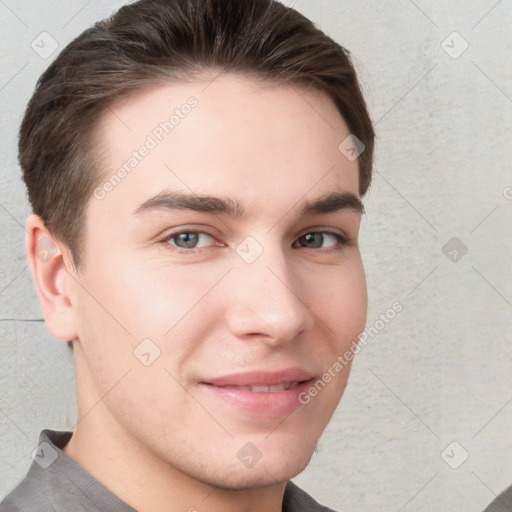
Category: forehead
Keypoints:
(229, 136)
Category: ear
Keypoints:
(46, 258)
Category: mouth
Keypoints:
(263, 388)
(264, 394)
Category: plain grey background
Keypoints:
(425, 423)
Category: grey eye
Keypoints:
(316, 239)
(189, 239)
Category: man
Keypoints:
(196, 169)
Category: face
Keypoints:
(221, 277)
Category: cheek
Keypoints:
(130, 302)
(167, 299)
(341, 302)
(146, 295)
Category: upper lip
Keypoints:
(262, 378)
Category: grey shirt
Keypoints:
(56, 483)
(503, 503)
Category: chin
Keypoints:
(263, 474)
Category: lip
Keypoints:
(262, 377)
(269, 404)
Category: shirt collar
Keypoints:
(65, 481)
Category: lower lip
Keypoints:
(269, 404)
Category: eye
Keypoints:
(322, 240)
(189, 239)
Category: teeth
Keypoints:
(267, 389)
(260, 389)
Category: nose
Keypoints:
(267, 302)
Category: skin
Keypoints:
(153, 434)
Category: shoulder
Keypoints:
(36, 490)
(27, 496)
(297, 500)
(503, 503)
(48, 485)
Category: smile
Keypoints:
(262, 388)
(259, 393)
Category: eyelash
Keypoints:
(342, 241)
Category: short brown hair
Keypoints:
(153, 41)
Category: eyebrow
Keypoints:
(166, 200)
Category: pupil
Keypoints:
(187, 240)
(314, 239)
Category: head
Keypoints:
(187, 166)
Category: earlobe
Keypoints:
(47, 263)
